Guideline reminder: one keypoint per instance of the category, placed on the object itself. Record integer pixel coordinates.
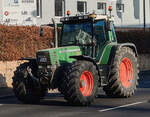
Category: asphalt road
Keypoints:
(56, 106)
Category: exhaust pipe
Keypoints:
(55, 33)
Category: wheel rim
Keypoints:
(126, 72)
(86, 83)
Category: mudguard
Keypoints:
(130, 45)
(87, 58)
(119, 46)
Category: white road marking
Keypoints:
(123, 106)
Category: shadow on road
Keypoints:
(54, 99)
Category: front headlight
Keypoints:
(43, 58)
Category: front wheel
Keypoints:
(23, 86)
(80, 83)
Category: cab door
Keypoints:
(100, 36)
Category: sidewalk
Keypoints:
(6, 92)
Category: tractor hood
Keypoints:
(58, 56)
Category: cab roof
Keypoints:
(86, 17)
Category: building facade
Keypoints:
(18, 12)
(127, 13)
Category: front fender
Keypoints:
(87, 58)
(82, 57)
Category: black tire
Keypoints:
(116, 88)
(23, 86)
(70, 86)
(43, 91)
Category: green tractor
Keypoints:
(85, 57)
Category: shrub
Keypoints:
(140, 38)
(22, 41)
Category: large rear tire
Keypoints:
(80, 82)
(123, 77)
(25, 90)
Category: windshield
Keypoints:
(73, 33)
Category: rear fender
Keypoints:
(130, 45)
(119, 46)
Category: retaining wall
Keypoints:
(7, 69)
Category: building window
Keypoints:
(136, 5)
(101, 7)
(58, 7)
(39, 8)
(82, 7)
(15, 1)
(120, 7)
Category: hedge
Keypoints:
(23, 41)
(139, 37)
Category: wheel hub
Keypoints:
(82, 83)
(86, 83)
(126, 72)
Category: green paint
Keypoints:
(110, 35)
(106, 53)
(100, 52)
(62, 55)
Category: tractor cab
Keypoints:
(90, 32)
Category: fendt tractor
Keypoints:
(85, 58)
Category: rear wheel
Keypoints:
(80, 83)
(123, 77)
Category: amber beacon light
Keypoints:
(110, 8)
(68, 13)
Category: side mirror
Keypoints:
(41, 31)
(109, 25)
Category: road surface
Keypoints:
(56, 106)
